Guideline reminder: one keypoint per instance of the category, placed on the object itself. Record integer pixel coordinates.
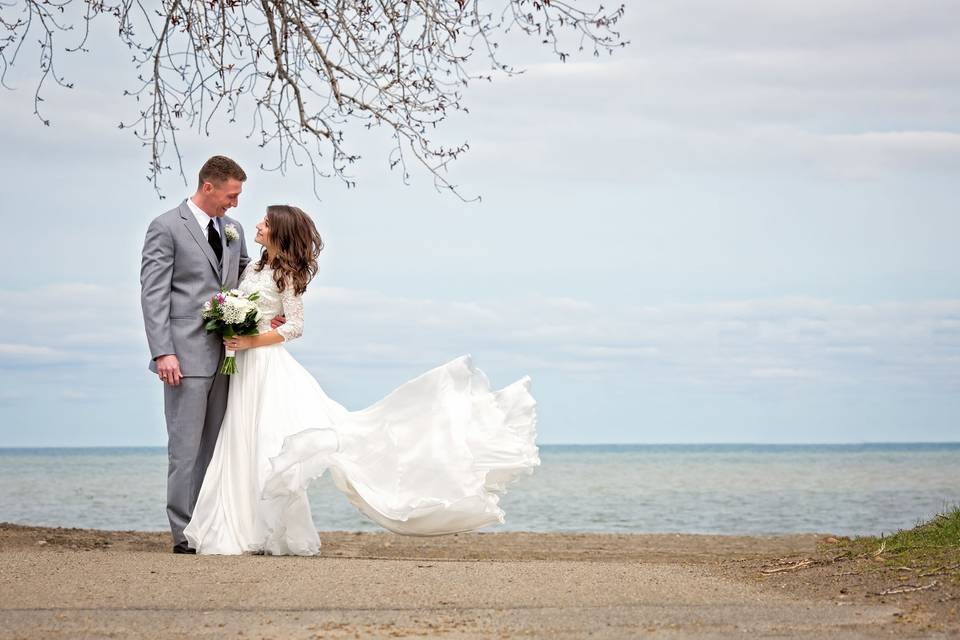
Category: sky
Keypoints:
(740, 228)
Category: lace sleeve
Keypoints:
(293, 311)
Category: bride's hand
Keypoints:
(239, 343)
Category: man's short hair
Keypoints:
(219, 168)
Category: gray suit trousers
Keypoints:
(194, 402)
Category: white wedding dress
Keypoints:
(428, 459)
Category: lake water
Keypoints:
(729, 489)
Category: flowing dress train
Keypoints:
(430, 458)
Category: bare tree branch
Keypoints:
(305, 70)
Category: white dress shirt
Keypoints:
(203, 219)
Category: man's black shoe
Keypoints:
(183, 548)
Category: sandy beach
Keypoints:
(73, 583)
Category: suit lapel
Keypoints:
(227, 251)
(191, 224)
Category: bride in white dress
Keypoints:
(428, 459)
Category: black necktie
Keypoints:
(214, 239)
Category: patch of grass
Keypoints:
(933, 545)
(940, 533)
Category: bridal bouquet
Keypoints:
(231, 313)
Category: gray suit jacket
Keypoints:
(178, 273)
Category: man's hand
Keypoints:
(168, 368)
(278, 321)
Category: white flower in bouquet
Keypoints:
(235, 309)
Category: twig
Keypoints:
(939, 570)
(806, 562)
(908, 588)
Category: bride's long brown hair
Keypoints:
(297, 245)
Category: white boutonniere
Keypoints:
(231, 232)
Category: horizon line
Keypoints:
(564, 444)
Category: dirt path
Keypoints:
(57, 583)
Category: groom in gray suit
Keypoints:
(189, 253)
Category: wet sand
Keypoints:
(72, 583)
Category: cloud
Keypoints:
(76, 395)
(827, 89)
(726, 342)
(73, 324)
(20, 355)
(359, 341)
(8, 397)
(782, 373)
(835, 90)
